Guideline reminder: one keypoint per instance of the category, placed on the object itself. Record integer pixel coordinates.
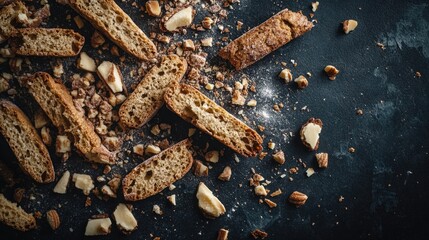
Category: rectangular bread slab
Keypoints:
(109, 18)
(158, 172)
(265, 38)
(47, 42)
(148, 97)
(33, 156)
(196, 108)
(57, 103)
(14, 216)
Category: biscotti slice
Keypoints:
(158, 172)
(57, 103)
(265, 38)
(109, 18)
(147, 98)
(32, 154)
(14, 216)
(52, 42)
(8, 14)
(196, 108)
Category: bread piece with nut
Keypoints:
(147, 98)
(46, 42)
(158, 172)
(33, 156)
(8, 15)
(109, 18)
(14, 216)
(265, 38)
(196, 108)
(57, 103)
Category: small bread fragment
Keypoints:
(158, 172)
(14, 216)
(33, 156)
(52, 42)
(58, 105)
(147, 98)
(109, 18)
(265, 38)
(310, 133)
(99, 226)
(196, 108)
(124, 218)
(8, 15)
(208, 203)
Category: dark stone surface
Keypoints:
(384, 183)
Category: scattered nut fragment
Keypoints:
(188, 45)
(322, 160)
(61, 186)
(191, 131)
(310, 133)
(83, 182)
(310, 172)
(352, 150)
(359, 112)
(200, 169)
(100, 226)
(58, 70)
(260, 190)
(286, 75)
(331, 71)
(97, 40)
(209, 86)
(111, 75)
(297, 198)
(271, 145)
(152, 150)
(63, 144)
(207, 23)
(172, 199)
(257, 233)
(349, 25)
(270, 203)
(226, 174)
(418, 75)
(114, 183)
(108, 192)
(79, 22)
(45, 134)
(138, 149)
(53, 219)
(276, 193)
(279, 157)
(207, 42)
(237, 98)
(18, 194)
(222, 234)
(314, 6)
(212, 156)
(208, 203)
(155, 130)
(252, 103)
(301, 82)
(40, 119)
(85, 62)
(157, 209)
(153, 8)
(124, 218)
(180, 19)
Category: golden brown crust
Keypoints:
(14, 216)
(104, 15)
(52, 42)
(265, 38)
(22, 136)
(234, 132)
(57, 103)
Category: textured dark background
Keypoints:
(384, 183)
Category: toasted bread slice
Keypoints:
(57, 103)
(109, 18)
(158, 172)
(196, 108)
(14, 216)
(148, 97)
(53, 42)
(32, 154)
(8, 14)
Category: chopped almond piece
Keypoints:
(226, 174)
(86, 63)
(111, 75)
(279, 157)
(188, 45)
(260, 190)
(270, 203)
(61, 186)
(153, 8)
(139, 149)
(172, 199)
(212, 156)
(83, 182)
(200, 169)
(276, 193)
(222, 234)
(96, 227)
(124, 218)
(180, 19)
(208, 203)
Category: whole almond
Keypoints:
(298, 198)
(53, 219)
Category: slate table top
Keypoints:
(383, 184)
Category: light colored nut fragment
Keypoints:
(155, 130)
(212, 156)
(114, 184)
(207, 42)
(270, 203)
(157, 209)
(209, 86)
(172, 199)
(207, 23)
(79, 22)
(279, 157)
(226, 174)
(200, 169)
(252, 103)
(191, 131)
(237, 98)
(310, 172)
(322, 160)
(349, 25)
(208, 203)
(86, 63)
(222, 234)
(301, 82)
(152, 150)
(331, 71)
(107, 191)
(260, 190)
(62, 184)
(83, 182)
(276, 193)
(188, 45)
(271, 145)
(63, 144)
(95, 227)
(138, 149)
(4, 84)
(310, 133)
(58, 70)
(111, 75)
(45, 134)
(314, 6)
(297, 198)
(286, 75)
(153, 8)
(124, 218)
(97, 40)
(257, 177)
(53, 219)
(180, 19)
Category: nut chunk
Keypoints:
(153, 8)
(297, 198)
(310, 133)
(349, 25)
(257, 233)
(124, 218)
(84, 182)
(322, 160)
(223, 234)
(226, 174)
(61, 186)
(182, 18)
(53, 219)
(208, 203)
(101, 226)
(332, 72)
(279, 157)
